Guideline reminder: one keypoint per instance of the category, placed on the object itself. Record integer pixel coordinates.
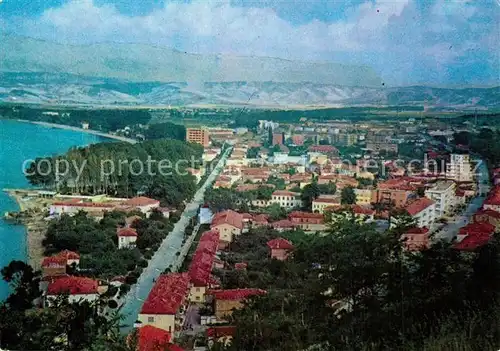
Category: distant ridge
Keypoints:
(66, 89)
(145, 63)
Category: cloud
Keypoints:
(365, 33)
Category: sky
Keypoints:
(407, 42)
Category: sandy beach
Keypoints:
(32, 214)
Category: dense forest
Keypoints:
(155, 168)
(105, 120)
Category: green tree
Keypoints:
(348, 196)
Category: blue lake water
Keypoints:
(19, 142)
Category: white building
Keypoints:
(126, 237)
(286, 199)
(423, 211)
(77, 288)
(443, 194)
(459, 168)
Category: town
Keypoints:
(262, 192)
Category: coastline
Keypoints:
(78, 129)
(31, 211)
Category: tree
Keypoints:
(24, 281)
(348, 196)
(309, 193)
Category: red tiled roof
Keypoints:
(167, 295)
(241, 265)
(357, 209)
(73, 286)
(471, 243)
(141, 201)
(60, 259)
(280, 243)
(488, 212)
(322, 148)
(126, 232)
(493, 197)
(84, 204)
(236, 294)
(477, 229)
(151, 338)
(203, 259)
(301, 214)
(284, 193)
(419, 205)
(228, 217)
(284, 223)
(261, 218)
(418, 230)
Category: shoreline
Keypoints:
(76, 129)
(31, 217)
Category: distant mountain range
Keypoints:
(40, 72)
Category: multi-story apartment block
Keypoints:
(443, 194)
(198, 135)
(459, 168)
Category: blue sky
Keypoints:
(440, 42)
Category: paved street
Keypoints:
(450, 230)
(166, 254)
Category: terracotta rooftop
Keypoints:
(417, 230)
(73, 286)
(228, 217)
(419, 205)
(126, 232)
(285, 193)
(493, 197)
(221, 331)
(322, 148)
(151, 338)
(283, 224)
(60, 259)
(280, 243)
(302, 214)
(487, 212)
(471, 243)
(167, 295)
(477, 229)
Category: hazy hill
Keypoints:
(143, 63)
(71, 89)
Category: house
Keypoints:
(225, 301)
(56, 265)
(227, 223)
(150, 338)
(492, 201)
(166, 303)
(78, 289)
(443, 194)
(283, 225)
(397, 191)
(416, 239)
(487, 216)
(143, 204)
(260, 220)
(324, 201)
(126, 237)
(363, 212)
(324, 149)
(286, 199)
(473, 236)
(476, 230)
(423, 211)
(201, 265)
(280, 248)
(309, 222)
(363, 196)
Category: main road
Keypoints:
(450, 230)
(166, 254)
